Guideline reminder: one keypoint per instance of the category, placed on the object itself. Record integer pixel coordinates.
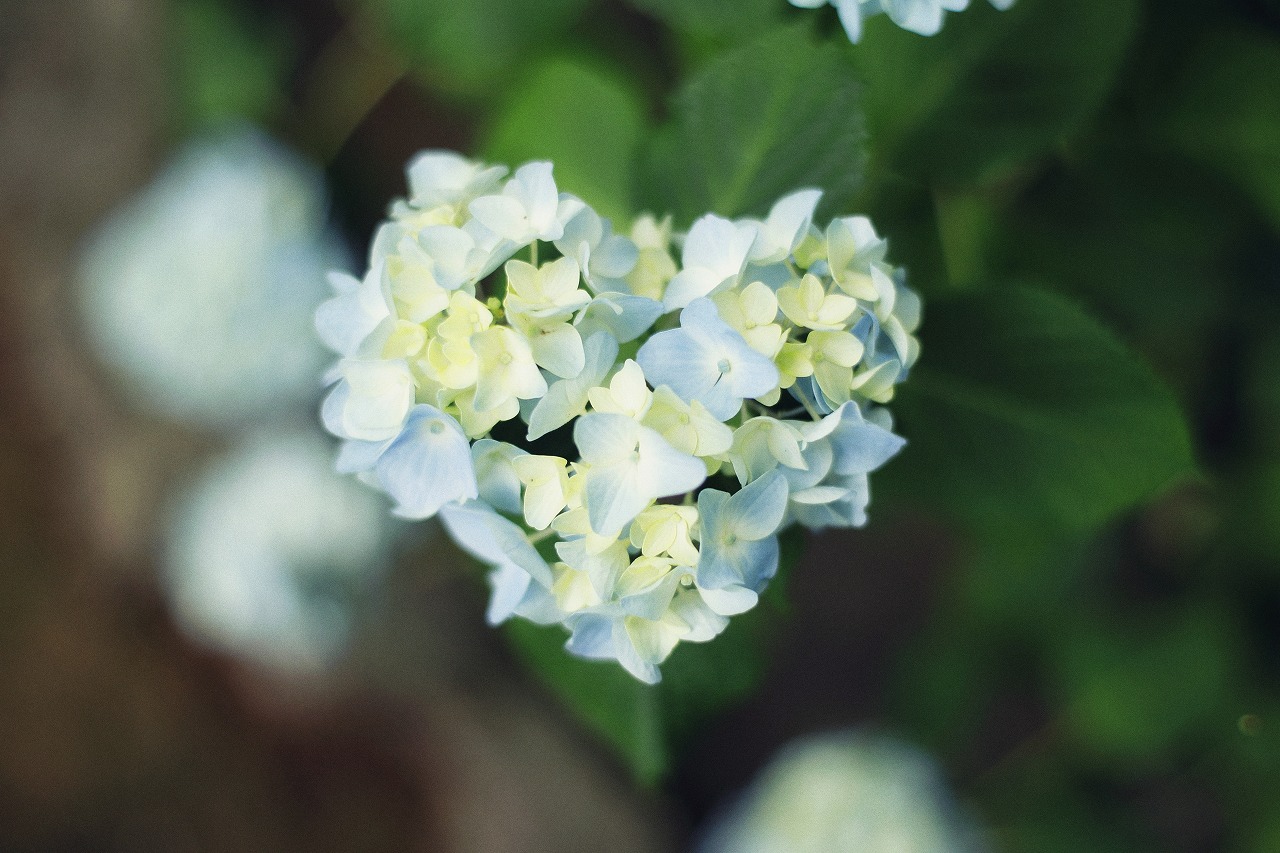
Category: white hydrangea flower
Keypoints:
(627, 466)
(428, 465)
(521, 579)
(715, 252)
(370, 401)
(606, 259)
(707, 361)
(739, 546)
(528, 208)
(923, 17)
(439, 178)
(443, 367)
(788, 222)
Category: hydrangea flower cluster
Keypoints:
(923, 17)
(621, 436)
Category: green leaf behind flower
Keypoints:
(1025, 407)
(774, 115)
(993, 88)
(468, 46)
(1226, 112)
(587, 121)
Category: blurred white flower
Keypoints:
(200, 291)
(846, 792)
(269, 552)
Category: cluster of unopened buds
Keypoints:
(620, 436)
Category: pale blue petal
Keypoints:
(614, 257)
(819, 495)
(703, 621)
(559, 350)
(603, 438)
(630, 657)
(346, 320)
(496, 478)
(614, 496)
(730, 601)
(665, 471)
(567, 399)
(688, 285)
(677, 359)
(508, 583)
(333, 407)
(501, 214)
(923, 17)
(756, 511)
(858, 446)
(621, 315)
(563, 402)
(489, 537)
(850, 18)
(592, 636)
(652, 601)
(356, 456)
(427, 465)
(753, 375)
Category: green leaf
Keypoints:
(1124, 224)
(1226, 114)
(227, 65)
(1023, 406)
(993, 89)
(1134, 688)
(623, 712)
(470, 45)
(715, 21)
(772, 116)
(644, 724)
(587, 121)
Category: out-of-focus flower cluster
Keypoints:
(619, 434)
(269, 553)
(199, 292)
(923, 17)
(847, 792)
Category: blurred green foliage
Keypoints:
(1027, 407)
(1088, 194)
(226, 65)
(472, 46)
(755, 123)
(589, 120)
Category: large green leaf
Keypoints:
(1226, 112)
(585, 120)
(993, 88)
(470, 45)
(772, 116)
(1023, 406)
